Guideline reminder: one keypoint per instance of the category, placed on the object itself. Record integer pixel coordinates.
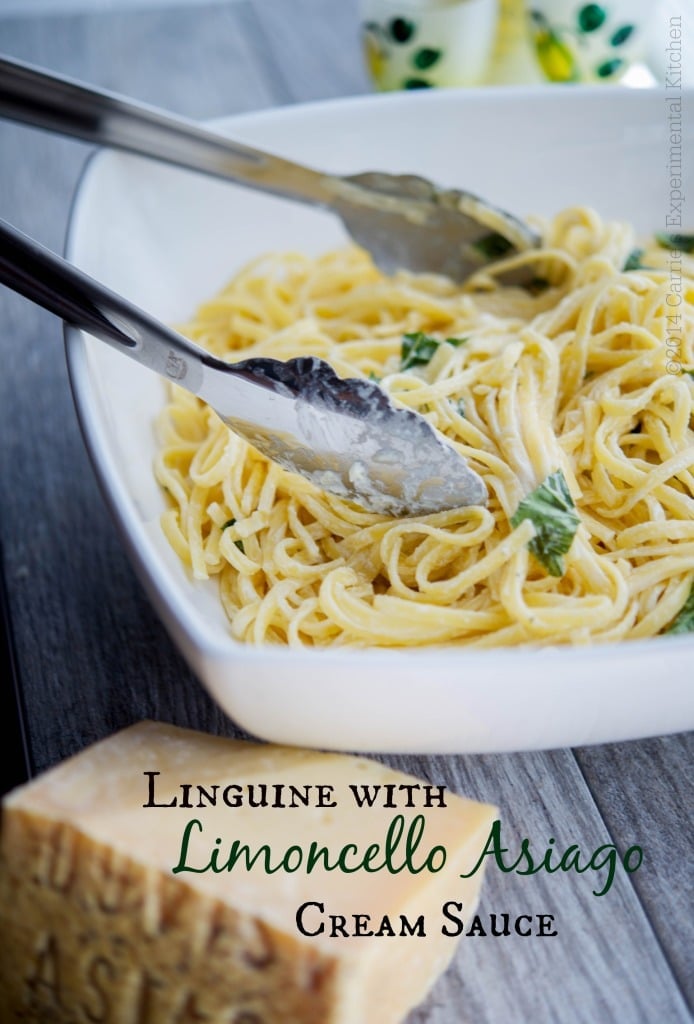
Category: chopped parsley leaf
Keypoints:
(684, 621)
(633, 260)
(680, 243)
(537, 285)
(238, 543)
(493, 246)
(418, 349)
(553, 513)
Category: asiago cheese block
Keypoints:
(165, 876)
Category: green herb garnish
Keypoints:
(553, 513)
(493, 246)
(633, 260)
(418, 349)
(537, 285)
(684, 621)
(680, 243)
(238, 543)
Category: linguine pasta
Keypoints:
(585, 376)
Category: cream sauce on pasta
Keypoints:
(580, 377)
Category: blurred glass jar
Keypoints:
(579, 42)
(416, 44)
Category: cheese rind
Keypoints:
(96, 928)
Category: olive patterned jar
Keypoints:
(588, 42)
(418, 44)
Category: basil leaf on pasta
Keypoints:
(680, 243)
(418, 348)
(537, 285)
(238, 543)
(493, 246)
(554, 516)
(684, 620)
(633, 260)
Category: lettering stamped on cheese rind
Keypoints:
(101, 974)
(42, 980)
(55, 864)
(120, 889)
(98, 961)
(44, 994)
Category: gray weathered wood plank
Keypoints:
(605, 964)
(645, 792)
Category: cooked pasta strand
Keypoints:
(579, 377)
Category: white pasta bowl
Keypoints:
(168, 239)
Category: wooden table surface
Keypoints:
(91, 655)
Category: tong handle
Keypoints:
(51, 282)
(59, 104)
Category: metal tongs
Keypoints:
(404, 221)
(344, 435)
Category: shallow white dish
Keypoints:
(168, 239)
